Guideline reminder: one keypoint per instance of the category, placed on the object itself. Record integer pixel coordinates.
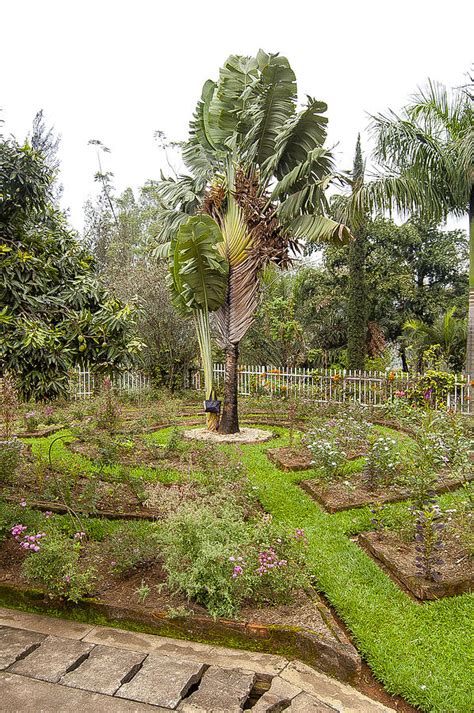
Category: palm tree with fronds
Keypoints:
(426, 155)
(447, 332)
(259, 169)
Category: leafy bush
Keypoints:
(383, 461)
(57, 568)
(133, 545)
(432, 388)
(31, 421)
(219, 560)
(10, 456)
(326, 452)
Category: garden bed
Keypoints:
(399, 557)
(304, 629)
(355, 491)
(288, 458)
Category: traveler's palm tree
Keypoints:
(427, 159)
(259, 170)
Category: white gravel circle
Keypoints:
(245, 435)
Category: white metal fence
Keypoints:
(372, 388)
(84, 384)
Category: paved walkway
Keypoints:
(54, 665)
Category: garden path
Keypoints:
(55, 665)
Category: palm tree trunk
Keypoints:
(229, 422)
(470, 320)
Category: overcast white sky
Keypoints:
(117, 70)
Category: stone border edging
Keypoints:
(339, 659)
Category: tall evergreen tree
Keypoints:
(357, 304)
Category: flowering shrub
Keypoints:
(10, 456)
(27, 542)
(325, 450)
(383, 461)
(48, 415)
(131, 546)
(219, 560)
(57, 568)
(31, 421)
(432, 389)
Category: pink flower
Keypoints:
(23, 503)
(48, 513)
(237, 571)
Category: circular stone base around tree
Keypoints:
(245, 435)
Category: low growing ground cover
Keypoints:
(225, 512)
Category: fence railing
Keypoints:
(84, 384)
(371, 388)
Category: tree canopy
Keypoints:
(55, 312)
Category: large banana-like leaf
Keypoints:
(274, 103)
(224, 111)
(198, 273)
(299, 135)
(317, 228)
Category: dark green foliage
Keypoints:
(357, 297)
(55, 313)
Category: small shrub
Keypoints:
(429, 528)
(326, 453)
(57, 568)
(10, 457)
(132, 546)
(31, 419)
(383, 461)
(108, 414)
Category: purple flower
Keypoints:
(237, 571)
(23, 503)
(48, 513)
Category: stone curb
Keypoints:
(337, 656)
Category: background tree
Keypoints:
(259, 169)
(427, 157)
(357, 303)
(414, 270)
(55, 313)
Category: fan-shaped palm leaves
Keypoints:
(259, 171)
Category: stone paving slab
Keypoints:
(15, 643)
(43, 624)
(305, 703)
(220, 691)
(329, 690)
(162, 681)
(52, 659)
(136, 641)
(28, 695)
(104, 670)
(279, 696)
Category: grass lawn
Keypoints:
(421, 652)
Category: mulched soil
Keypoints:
(399, 559)
(355, 491)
